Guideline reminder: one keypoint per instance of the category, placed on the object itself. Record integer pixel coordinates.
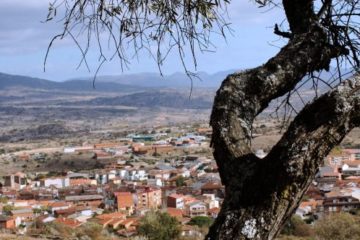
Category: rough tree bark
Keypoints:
(261, 194)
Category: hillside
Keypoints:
(155, 80)
(151, 99)
(8, 81)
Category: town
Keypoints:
(167, 170)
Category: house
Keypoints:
(306, 208)
(128, 227)
(64, 212)
(213, 212)
(125, 202)
(111, 215)
(339, 203)
(175, 201)
(354, 154)
(45, 218)
(21, 203)
(142, 138)
(82, 216)
(58, 182)
(212, 188)
(350, 168)
(60, 205)
(23, 214)
(83, 149)
(337, 157)
(25, 194)
(133, 174)
(148, 197)
(7, 222)
(327, 174)
(211, 201)
(93, 200)
(197, 208)
(16, 181)
(45, 194)
(100, 154)
(125, 224)
(82, 182)
(73, 175)
(163, 174)
(8, 193)
(155, 182)
(137, 175)
(108, 219)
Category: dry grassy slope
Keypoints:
(4, 236)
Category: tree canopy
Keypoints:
(159, 226)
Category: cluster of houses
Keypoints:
(151, 144)
(77, 198)
(336, 187)
(119, 195)
(141, 144)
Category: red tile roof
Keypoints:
(111, 215)
(175, 212)
(73, 223)
(211, 186)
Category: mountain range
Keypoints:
(123, 83)
(14, 81)
(134, 90)
(145, 90)
(155, 80)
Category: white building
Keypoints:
(155, 182)
(58, 182)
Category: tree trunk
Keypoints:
(261, 194)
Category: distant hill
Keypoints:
(181, 80)
(8, 81)
(136, 90)
(151, 99)
(14, 81)
(120, 83)
(176, 80)
(40, 132)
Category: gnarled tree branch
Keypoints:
(262, 193)
(244, 95)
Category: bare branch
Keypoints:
(157, 27)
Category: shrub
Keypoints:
(159, 226)
(341, 226)
(201, 221)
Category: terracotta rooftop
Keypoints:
(214, 210)
(175, 212)
(73, 223)
(111, 215)
(175, 195)
(211, 186)
(58, 204)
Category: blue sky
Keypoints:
(24, 40)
